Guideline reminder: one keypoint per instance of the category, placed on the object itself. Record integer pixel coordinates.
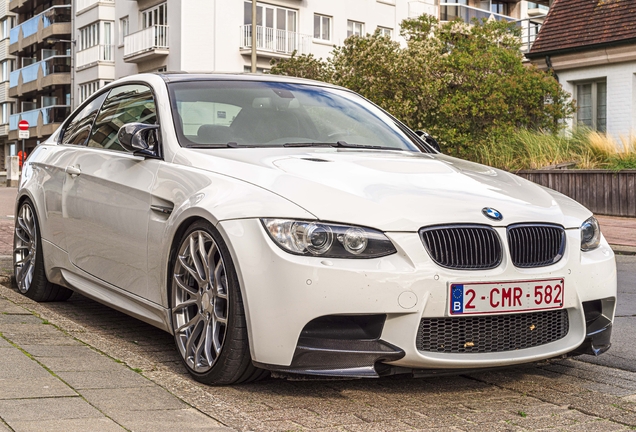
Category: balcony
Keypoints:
(529, 31)
(54, 21)
(419, 8)
(42, 121)
(271, 42)
(36, 77)
(94, 56)
(84, 5)
(453, 11)
(146, 44)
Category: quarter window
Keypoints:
(125, 104)
(322, 27)
(79, 128)
(592, 105)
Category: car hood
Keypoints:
(389, 190)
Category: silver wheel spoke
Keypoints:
(24, 247)
(200, 312)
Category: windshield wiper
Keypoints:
(342, 144)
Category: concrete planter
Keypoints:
(611, 193)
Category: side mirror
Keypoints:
(139, 138)
(428, 139)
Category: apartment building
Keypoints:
(7, 104)
(67, 49)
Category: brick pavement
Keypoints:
(557, 395)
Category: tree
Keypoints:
(465, 84)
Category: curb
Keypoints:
(623, 250)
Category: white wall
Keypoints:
(621, 93)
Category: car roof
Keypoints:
(171, 77)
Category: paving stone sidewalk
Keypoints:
(50, 381)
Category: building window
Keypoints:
(355, 28)
(499, 7)
(88, 36)
(5, 27)
(124, 29)
(272, 18)
(591, 98)
(7, 68)
(157, 15)
(385, 31)
(322, 27)
(85, 90)
(7, 110)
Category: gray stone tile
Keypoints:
(21, 388)
(8, 307)
(103, 424)
(117, 378)
(4, 343)
(46, 409)
(113, 401)
(168, 421)
(23, 319)
(15, 364)
(41, 339)
(57, 350)
(82, 362)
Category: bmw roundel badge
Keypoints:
(491, 213)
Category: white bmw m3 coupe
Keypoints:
(279, 224)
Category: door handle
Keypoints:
(73, 171)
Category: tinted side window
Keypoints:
(79, 128)
(125, 104)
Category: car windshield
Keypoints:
(213, 113)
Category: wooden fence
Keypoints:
(611, 193)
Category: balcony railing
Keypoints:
(84, 4)
(419, 8)
(95, 54)
(52, 65)
(453, 11)
(529, 31)
(148, 39)
(56, 14)
(51, 114)
(274, 40)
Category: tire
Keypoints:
(28, 259)
(208, 319)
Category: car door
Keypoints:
(108, 195)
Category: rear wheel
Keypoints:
(28, 259)
(208, 318)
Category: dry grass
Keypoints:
(533, 150)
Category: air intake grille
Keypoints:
(491, 333)
(535, 245)
(463, 247)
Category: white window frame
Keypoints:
(88, 36)
(7, 109)
(5, 27)
(385, 31)
(156, 15)
(321, 23)
(124, 29)
(355, 28)
(87, 89)
(594, 102)
(6, 69)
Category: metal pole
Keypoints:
(253, 36)
(23, 158)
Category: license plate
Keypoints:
(505, 297)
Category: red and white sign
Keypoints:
(23, 133)
(503, 297)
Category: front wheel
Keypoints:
(208, 319)
(28, 259)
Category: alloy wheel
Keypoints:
(25, 247)
(199, 301)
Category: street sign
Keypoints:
(23, 133)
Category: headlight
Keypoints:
(590, 234)
(327, 240)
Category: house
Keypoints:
(590, 45)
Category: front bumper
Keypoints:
(283, 293)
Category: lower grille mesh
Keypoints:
(491, 333)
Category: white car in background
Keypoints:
(279, 224)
